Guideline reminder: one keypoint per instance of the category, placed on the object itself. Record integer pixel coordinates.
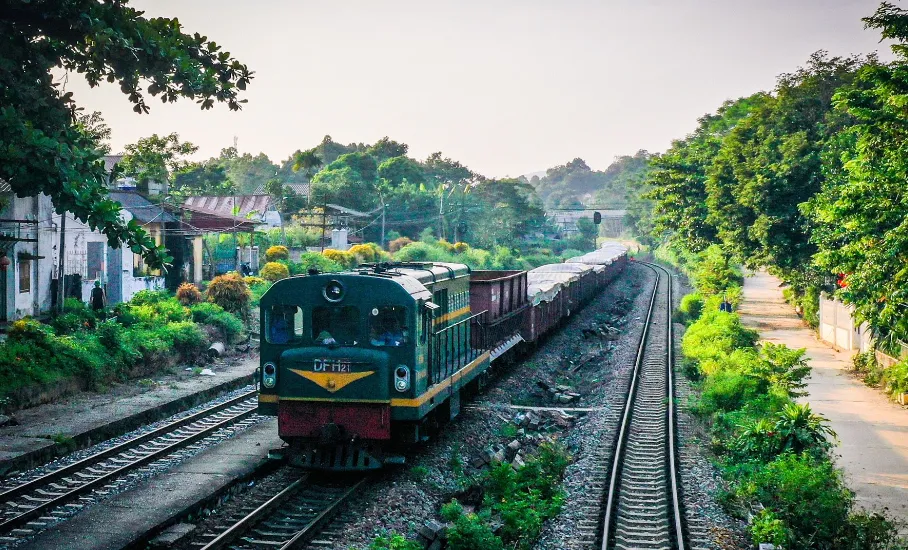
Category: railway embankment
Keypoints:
(46, 431)
(872, 450)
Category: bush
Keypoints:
(469, 531)
(226, 323)
(365, 253)
(252, 281)
(691, 307)
(188, 294)
(277, 252)
(461, 247)
(395, 542)
(397, 244)
(715, 272)
(185, 335)
(231, 293)
(314, 260)
(807, 494)
(340, 257)
(274, 271)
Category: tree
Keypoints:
(397, 170)
(678, 179)
(860, 215)
(349, 181)
(156, 159)
(387, 148)
(588, 231)
(96, 129)
(308, 162)
(247, 172)
(209, 178)
(42, 148)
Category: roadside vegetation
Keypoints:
(154, 331)
(770, 446)
(505, 507)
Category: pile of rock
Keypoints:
(559, 393)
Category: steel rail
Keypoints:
(91, 484)
(255, 516)
(611, 501)
(318, 522)
(50, 477)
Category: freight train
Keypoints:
(356, 364)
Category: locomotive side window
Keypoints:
(283, 324)
(335, 325)
(388, 326)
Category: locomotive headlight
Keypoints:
(333, 291)
(269, 375)
(402, 378)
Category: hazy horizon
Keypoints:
(507, 89)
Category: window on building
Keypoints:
(25, 275)
(95, 260)
(283, 324)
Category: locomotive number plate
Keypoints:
(332, 365)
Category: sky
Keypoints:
(507, 87)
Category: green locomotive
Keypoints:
(353, 362)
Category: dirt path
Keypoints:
(873, 431)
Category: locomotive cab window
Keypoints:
(283, 324)
(388, 326)
(335, 325)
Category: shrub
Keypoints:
(340, 257)
(806, 494)
(188, 294)
(149, 297)
(691, 307)
(364, 253)
(469, 531)
(274, 271)
(277, 252)
(766, 527)
(422, 252)
(226, 323)
(397, 244)
(230, 292)
(445, 245)
(460, 247)
(185, 335)
(314, 260)
(252, 281)
(30, 330)
(394, 542)
(715, 334)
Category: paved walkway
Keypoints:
(873, 431)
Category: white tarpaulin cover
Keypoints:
(564, 278)
(605, 255)
(544, 291)
(578, 268)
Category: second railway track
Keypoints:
(642, 502)
(292, 518)
(29, 504)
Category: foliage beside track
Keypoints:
(773, 451)
(152, 331)
(515, 503)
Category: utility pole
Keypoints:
(62, 263)
(383, 205)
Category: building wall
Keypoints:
(37, 299)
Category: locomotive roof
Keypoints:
(414, 277)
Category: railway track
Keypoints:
(30, 505)
(642, 500)
(292, 518)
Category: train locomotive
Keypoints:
(358, 363)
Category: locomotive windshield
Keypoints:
(388, 326)
(284, 324)
(335, 325)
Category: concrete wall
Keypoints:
(37, 299)
(837, 326)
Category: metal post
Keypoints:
(61, 262)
